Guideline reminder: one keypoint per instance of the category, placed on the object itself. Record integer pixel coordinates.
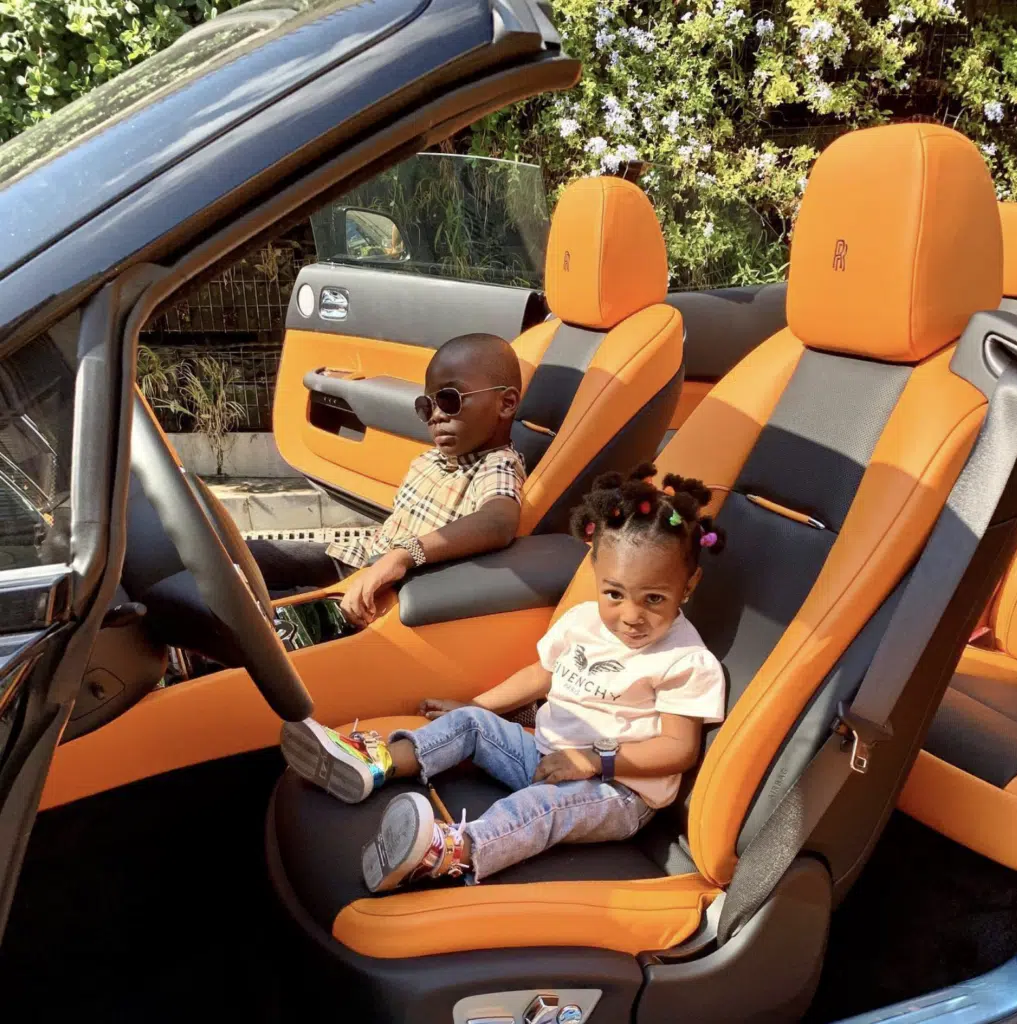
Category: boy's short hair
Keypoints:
(492, 355)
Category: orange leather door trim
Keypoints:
(966, 809)
(372, 468)
(629, 917)
(223, 714)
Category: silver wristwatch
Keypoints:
(607, 750)
(415, 548)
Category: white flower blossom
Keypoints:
(672, 121)
(568, 126)
(764, 27)
(707, 179)
(819, 31)
(685, 151)
(596, 145)
(640, 38)
(767, 161)
(616, 117)
(812, 61)
(735, 17)
(993, 110)
(628, 152)
(706, 149)
(687, 16)
(647, 124)
(947, 5)
(650, 180)
(603, 14)
(989, 149)
(610, 162)
(603, 39)
(823, 93)
(615, 59)
(708, 229)
(802, 182)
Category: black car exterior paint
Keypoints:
(39, 206)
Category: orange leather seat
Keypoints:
(850, 417)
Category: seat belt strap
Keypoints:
(958, 531)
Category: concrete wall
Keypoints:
(252, 455)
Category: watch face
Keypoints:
(605, 746)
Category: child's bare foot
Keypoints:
(411, 845)
(349, 767)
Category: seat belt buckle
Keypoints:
(864, 735)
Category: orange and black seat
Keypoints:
(832, 449)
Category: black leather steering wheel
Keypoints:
(228, 580)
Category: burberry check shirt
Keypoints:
(436, 491)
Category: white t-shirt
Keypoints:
(601, 689)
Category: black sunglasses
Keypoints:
(448, 400)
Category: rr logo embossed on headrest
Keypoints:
(566, 264)
(840, 255)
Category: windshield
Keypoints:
(465, 217)
(172, 69)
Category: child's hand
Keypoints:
(358, 605)
(567, 766)
(433, 707)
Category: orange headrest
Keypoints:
(897, 244)
(1008, 215)
(606, 257)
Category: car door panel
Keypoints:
(358, 435)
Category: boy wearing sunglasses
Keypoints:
(460, 498)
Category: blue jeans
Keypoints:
(534, 817)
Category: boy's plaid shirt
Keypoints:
(434, 493)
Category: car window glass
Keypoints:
(464, 217)
(36, 429)
(172, 68)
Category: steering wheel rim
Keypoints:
(189, 522)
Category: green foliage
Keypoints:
(52, 52)
(460, 217)
(198, 389)
(731, 103)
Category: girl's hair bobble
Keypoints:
(644, 507)
(590, 529)
(676, 519)
(708, 540)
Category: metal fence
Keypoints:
(239, 318)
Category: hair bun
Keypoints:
(695, 489)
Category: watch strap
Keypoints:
(415, 548)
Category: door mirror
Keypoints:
(374, 236)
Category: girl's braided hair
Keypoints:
(635, 506)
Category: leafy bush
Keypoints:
(730, 102)
(52, 52)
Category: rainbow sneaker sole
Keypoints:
(345, 767)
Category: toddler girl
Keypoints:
(628, 684)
